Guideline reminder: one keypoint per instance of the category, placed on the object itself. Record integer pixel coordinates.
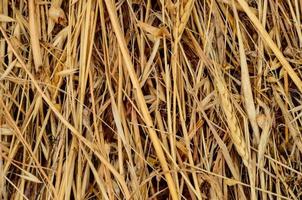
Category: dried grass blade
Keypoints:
(245, 82)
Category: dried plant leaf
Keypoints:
(4, 18)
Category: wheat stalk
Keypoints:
(227, 107)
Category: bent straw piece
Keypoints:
(34, 35)
(140, 97)
(73, 130)
(266, 38)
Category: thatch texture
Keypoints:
(150, 99)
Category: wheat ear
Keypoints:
(227, 107)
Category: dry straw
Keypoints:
(105, 99)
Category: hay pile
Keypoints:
(105, 99)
